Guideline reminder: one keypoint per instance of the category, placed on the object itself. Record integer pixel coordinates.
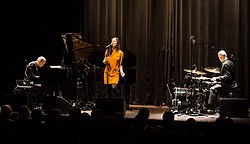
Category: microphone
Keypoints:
(108, 45)
(191, 37)
(192, 40)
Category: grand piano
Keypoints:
(82, 66)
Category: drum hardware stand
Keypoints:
(199, 104)
(88, 105)
(94, 83)
(171, 97)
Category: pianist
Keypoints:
(31, 78)
(31, 74)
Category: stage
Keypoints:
(156, 113)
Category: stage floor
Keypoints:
(156, 113)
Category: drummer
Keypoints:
(226, 81)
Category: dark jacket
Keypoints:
(228, 74)
(31, 74)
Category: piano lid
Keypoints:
(95, 53)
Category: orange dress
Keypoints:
(112, 71)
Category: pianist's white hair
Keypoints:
(41, 58)
(222, 52)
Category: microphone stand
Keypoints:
(192, 43)
(164, 53)
(109, 49)
(209, 44)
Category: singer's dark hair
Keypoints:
(118, 46)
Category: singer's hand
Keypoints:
(122, 74)
(121, 71)
(107, 59)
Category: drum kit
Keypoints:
(196, 88)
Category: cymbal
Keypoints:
(195, 71)
(212, 69)
(202, 78)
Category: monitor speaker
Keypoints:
(50, 102)
(109, 106)
(233, 107)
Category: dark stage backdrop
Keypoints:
(32, 29)
(157, 32)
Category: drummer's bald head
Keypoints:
(223, 53)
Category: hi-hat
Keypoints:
(212, 69)
(195, 71)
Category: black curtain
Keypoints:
(158, 33)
